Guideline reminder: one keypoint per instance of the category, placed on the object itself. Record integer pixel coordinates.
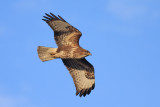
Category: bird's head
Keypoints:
(83, 53)
(87, 53)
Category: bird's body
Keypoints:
(73, 56)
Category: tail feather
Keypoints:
(45, 53)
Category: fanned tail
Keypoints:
(45, 53)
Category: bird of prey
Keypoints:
(72, 54)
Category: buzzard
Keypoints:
(72, 54)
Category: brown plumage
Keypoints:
(82, 73)
(73, 56)
(66, 37)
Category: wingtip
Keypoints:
(45, 20)
(52, 17)
(61, 18)
(93, 86)
(81, 93)
(47, 17)
(77, 93)
(85, 92)
(89, 91)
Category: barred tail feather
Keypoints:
(45, 53)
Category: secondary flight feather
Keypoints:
(72, 54)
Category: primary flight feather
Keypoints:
(72, 54)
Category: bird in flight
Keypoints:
(72, 54)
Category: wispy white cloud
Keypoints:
(7, 101)
(10, 100)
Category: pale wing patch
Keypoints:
(83, 84)
(82, 73)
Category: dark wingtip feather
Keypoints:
(85, 92)
(89, 91)
(61, 18)
(45, 20)
(77, 93)
(54, 16)
(93, 86)
(47, 17)
(81, 93)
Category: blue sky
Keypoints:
(123, 36)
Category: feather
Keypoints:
(67, 38)
(62, 30)
(83, 84)
(54, 16)
(61, 18)
(49, 16)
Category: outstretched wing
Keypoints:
(82, 73)
(64, 33)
